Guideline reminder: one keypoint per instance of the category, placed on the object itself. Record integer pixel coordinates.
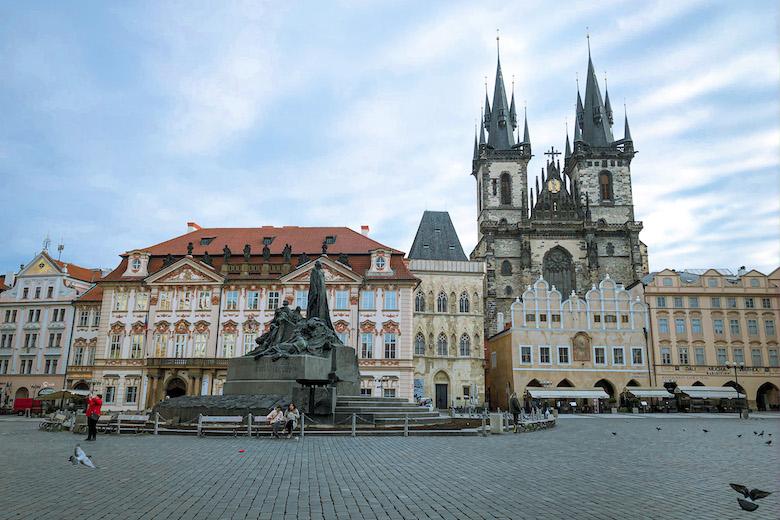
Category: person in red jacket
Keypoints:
(93, 414)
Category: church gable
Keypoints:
(42, 265)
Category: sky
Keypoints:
(122, 121)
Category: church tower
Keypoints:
(500, 168)
(600, 167)
(574, 226)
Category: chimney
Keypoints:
(364, 230)
(192, 226)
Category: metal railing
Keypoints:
(189, 362)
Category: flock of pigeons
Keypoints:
(751, 495)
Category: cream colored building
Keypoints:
(596, 342)
(36, 325)
(703, 322)
(448, 319)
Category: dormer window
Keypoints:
(206, 241)
(380, 263)
(330, 239)
(267, 241)
(136, 264)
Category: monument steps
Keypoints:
(386, 411)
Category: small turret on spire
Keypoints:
(607, 104)
(526, 135)
(627, 130)
(482, 133)
(567, 153)
(476, 144)
(512, 111)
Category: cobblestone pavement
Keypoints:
(576, 470)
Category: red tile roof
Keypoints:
(302, 240)
(3, 286)
(80, 273)
(94, 294)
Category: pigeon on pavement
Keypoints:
(79, 457)
(705, 431)
(738, 436)
(761, 434)
(769, 442)
(614, 433)
(657, 428)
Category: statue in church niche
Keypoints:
(266, 252)
(581, 346)
(593, 254)
(303, 258)
(287, 253)
(189, 249)
(207, 258)
(525, 255)
(344, 259)
(226, 253)
(247, 253)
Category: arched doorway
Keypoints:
(441, 383)
(175, 388)
(767, 397)
(633, 382)
(565, 383)
(698, 383)
(558, 270)
(607, 386)
(22, 393)
(735, 386)
(534, 383)
(81, 385)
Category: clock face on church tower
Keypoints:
(554, 185)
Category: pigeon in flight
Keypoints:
(769, 442)
(614, 433)
(755, 432)
(751, 495)
(761, 434)
(705, 431)
(657, 428)
(79, 457)
(738, 436)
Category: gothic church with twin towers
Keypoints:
(575, 226)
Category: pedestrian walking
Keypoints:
(94, 403)
(515, 408)
(291, 416)
(276, 420)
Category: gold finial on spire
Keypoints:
(587, 37)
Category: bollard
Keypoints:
(303, 425)
(484, 427)
(353, 424)
(156, 422)
(200, 422)
(249, 425)
(406, 425)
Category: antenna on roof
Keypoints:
(46, 243)
(60, 247)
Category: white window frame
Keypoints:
(549, 355)
(141, 301)
(204, 300)
(364, 296)
(200, 342)
(273, 300)
(302, 298)
(137, 346)
(115, 341)
(558, 354)
(622, 355)
(180, 345)
(341, 302)
(248, 342)
(530, 350)
(606, 358)
(641, 353)
(228, 345)
(390, 303)
(390, 342)
(231, 300)
(366, 345)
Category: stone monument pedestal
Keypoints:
(296, 376)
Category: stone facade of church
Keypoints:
(577, 224)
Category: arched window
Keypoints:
(463, 303)
(465, 345)
(610, 249)
(506, 267)
(558, 270)
(419, 302)
(419, 344)
(441, 344)
(508, 290)
(506, 189)
(605, 185)
(441, 303)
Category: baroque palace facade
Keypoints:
(173, 314)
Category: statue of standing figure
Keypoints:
(317, 306)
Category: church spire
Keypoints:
(526, 135)
(512, 110)
(595, 127)
(476, 144)
(607, 105)
(499, 124)
(482, 133)
(567, 153)
(627, 130)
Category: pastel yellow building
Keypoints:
(712, 327)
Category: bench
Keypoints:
(55, 422)
(106, 424)
(134, 423)
(220, 423)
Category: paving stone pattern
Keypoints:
(576, 470)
